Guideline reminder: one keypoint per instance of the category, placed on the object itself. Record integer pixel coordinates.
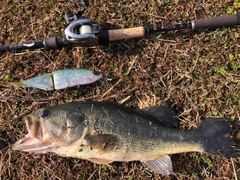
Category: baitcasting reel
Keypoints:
(81, 30)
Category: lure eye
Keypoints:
(96, 73)
(44, 113)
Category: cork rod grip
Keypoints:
(119, 34)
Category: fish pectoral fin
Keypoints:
(164, 115)
(163, 165)
(103, 142)
(101, 161)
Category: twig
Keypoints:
(234, 170)
(111, 88)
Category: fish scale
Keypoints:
(137, 134)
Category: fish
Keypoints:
(61, 79)
(105, 132)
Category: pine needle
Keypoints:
(234, 170)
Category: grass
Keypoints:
(196, 73)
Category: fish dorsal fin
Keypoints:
(163, 165)
(103, 142)
(164, 114)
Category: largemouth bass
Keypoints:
(106, 132)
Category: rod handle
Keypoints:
(119, 34)
(227, 20)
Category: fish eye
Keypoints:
(45, 113)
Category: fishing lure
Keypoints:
(61, 79)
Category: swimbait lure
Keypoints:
(61, 79)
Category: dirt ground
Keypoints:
(196, 73)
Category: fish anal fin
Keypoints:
(162, 165)
(103, 142)
(165, 115)
(100, 161)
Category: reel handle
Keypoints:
(85, 3)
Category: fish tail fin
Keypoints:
(16, 84)
(217, 139)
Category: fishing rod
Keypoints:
(83, 31)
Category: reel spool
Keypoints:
(82, 31)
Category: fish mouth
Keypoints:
(32, 142)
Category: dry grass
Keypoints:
(194, 73)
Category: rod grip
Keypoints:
(119, 34)
(227, 20)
